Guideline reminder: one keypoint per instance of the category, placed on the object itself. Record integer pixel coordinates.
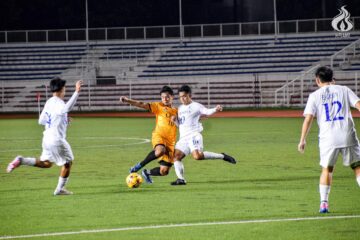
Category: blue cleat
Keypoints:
(324, 207)
(135, 168)
(147, 176)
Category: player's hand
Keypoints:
(69, 120)
(173, 119)
(78, 85)
(123, 99)
(301, 146)
(219, 108)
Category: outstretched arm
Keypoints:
(135, 103)
(70, 104)
(210, 111)
(305, 131)
(357, 105)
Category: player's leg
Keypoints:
(351, 157)
(63, 156)
(357, 172)
(324, 188)
(163, 170)
(158, 151)
(166, 162)
(196, 147)
(179, 166)
(28, 161)
(63, 179)
(328, 158)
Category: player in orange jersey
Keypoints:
(163, 136)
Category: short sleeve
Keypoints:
(154, 107)
(310, 106)
(353, 99)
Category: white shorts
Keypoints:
(190, 143)
(58, 152)
(328, 156)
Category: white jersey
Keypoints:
(54, 117)
(331, 105)
(188, 118)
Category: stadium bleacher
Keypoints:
(221, 70)
(287, 54)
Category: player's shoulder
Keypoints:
(196, 104)
(155, 103)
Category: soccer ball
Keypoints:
(134, 180)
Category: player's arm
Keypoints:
(357, 105)
(135, 103)
(71, 103)
(174, 120)
(210, 111)
(353, 99)
(42, 118)
(305, 131)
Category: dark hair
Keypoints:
(57, 84)
(185, 88)
(167, 89)
(325, 74)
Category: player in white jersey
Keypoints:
(191, 141)
(330, 104)
(55, 148)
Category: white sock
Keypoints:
(179, 169)
(324, 192)
(61, 183)
(29, 161)
(211, 155)
(358, 180)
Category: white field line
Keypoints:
(178, 226)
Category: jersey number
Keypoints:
(337, 116)
(48, 120)
(181, 120)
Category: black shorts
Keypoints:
(163, 163)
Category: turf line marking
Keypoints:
(177, 226)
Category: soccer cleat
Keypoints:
(135, 168)
(62, 191)
(178, 182)
(229, 159)
(324, 207)
(147, 176)
(14, 164)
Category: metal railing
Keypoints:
(345, 54)
(294, 86)
(173, 31)
(295, 92)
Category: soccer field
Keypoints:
(272, 193)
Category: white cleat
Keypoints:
(14, 164)
(62, 192)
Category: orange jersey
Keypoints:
(164, 127)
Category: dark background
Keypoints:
(59, 14)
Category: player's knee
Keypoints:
(68, 165)
(164, 172)
(327, 170)
(198, 156)
(46, 164)
(159, 151)
(177, 157)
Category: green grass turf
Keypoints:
(271, 181)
